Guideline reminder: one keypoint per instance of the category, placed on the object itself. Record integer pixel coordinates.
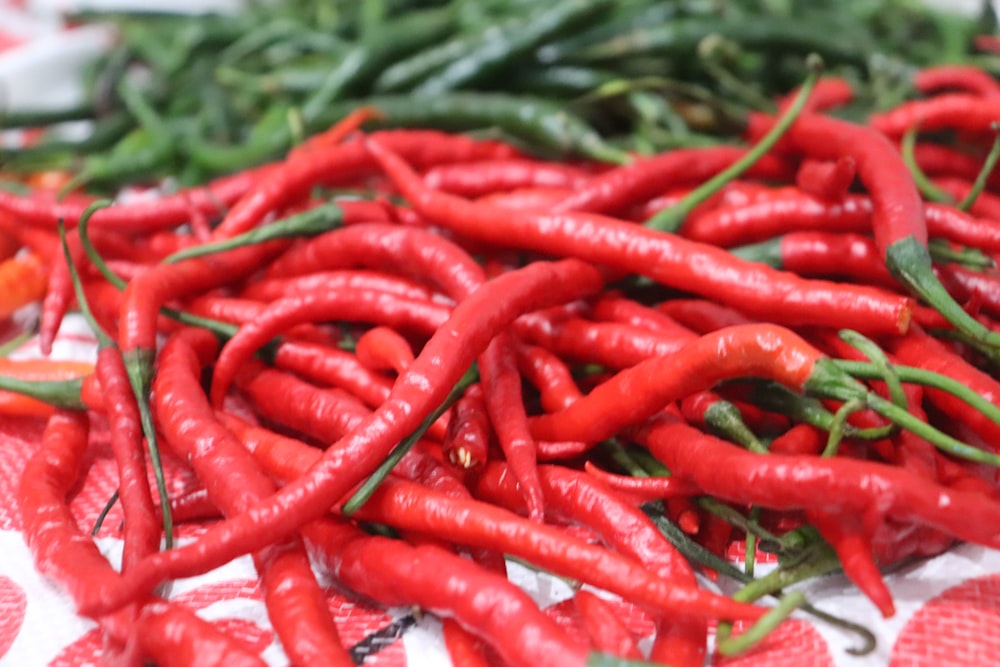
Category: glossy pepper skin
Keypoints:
(677, 263)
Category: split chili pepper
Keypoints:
(466, 442)
(672, 261)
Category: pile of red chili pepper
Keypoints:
(395, 358)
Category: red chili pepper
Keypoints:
(176, 637)
(9, 245)
(825, 254)
(440, 364)
(648, 488)
(800, 439)
(329, 366)
(240, 311)
(382, 348)
(502, 394)
(959, 78)
(672, 261)
(619, 309)
(296, 604)
(604, 627)
(549, 375)
(939, 160)
(395, 573)
(526, 199)
(702, 316)
(898, 215)
(477, 179)
(351, 161)
(846, 535)
(836, 484)
(986, 205)
(637, 393)
(406, 505)
(920, 350)
(276, 288)
(467, 440)
(464, 648)
(966, 284)
(322, 413)
(950, 111)
(826, 179)
(617, 189)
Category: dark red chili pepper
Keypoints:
(966, 284)
(826, 179)
(964, 78)
(800, 439)
(604, 627)
(609, 344)
(395, 573)
(666, 258)
(477, 179)
(423, 317)
(467, 441)
(382, 348)
(296, 604)
(441, 363)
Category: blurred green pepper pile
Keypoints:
(193, 97)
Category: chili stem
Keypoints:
(670, 219)
(877, 356)
(980, 183)
(104, 513)
(927, 188)
(368, 487)
(839, 423)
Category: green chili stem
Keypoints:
(614, 450)
(308, 223)
(942, 253)
(735, 518)
(103, 339)
(670, 219)
(746, 640)
(877, 356)
(984, 174)
(104, 513)
(927, 188)
(14, 343)
(750, 557)
(839, 423)
(726, 419)
(913, 375)
(942, 441)
(368, 487)
(63, 394)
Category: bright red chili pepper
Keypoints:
(467, 440)
(526, 199)
(176, 637)
(604, 627)
(239, 311)
(444, 358)
(800, 439)
(382, 348)
(477, 179)
(948, 111)
(549, 375)
(963, 78)
(464, 648)
(826, 179)
(672, 261)
(296, 604)
(275, 288)
(619, 309)
(333, 367)
(702, 316)
(395, 573)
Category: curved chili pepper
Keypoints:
(297, 606)
(800, 439)
(444, 358)
(964, 78)
(836, 484)
(176, 637)
(898, 215)
(383, 348)
(501, 385)
(672, 261)
(239, 311)
(649, 488)
(829, 180)
(620, 309)
(464, 648)
(549, 375)
(604, 627)
(395, 573)
(328, 366)
(275, 288)
(955, 111)
(701, 315)
(484, 178)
